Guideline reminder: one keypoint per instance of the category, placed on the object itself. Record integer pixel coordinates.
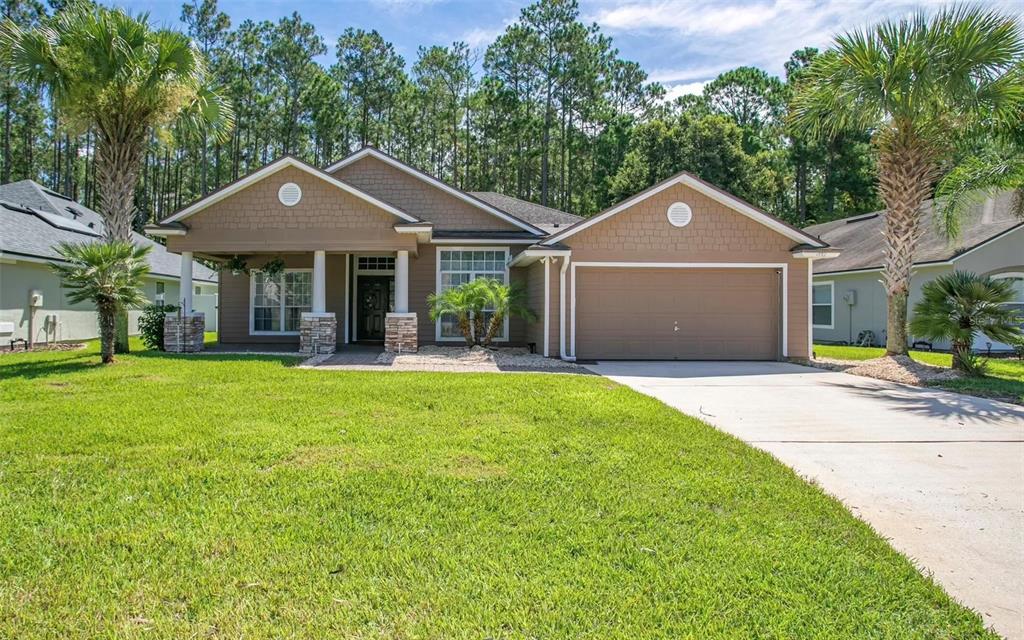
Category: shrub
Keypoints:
(151, 325)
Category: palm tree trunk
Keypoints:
(497, 321)
(120, 148)
(906, 172)
(108, 318)
(467, 331)
(119, 152)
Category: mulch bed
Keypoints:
(893, 368)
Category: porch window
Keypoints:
(822, 305)
(458, 266)
(278, 303)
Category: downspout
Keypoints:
(547, 306)
(561, 314)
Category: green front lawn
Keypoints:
(1005, 379)
(238, 496)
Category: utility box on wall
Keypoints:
(35, 298)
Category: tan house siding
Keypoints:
(233, 309)
(717, 233)
(535, 301)
(326, 218)
(418, 198)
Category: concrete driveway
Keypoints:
(941, 475)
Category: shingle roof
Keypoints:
(862, 245)
(33, 220)
(538, 215)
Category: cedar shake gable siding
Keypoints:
(326, 218)
(716, 233)
(419, 198)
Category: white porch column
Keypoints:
(319, 281)
(402, 282)
(186, 281)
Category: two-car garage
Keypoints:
(678, 312)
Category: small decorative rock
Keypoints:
(184, 333)
(400, 333)
(318, 333)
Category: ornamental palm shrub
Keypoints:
(503, 301)
(914, 84)
(959, 305)
(464, 302)
(480, 308)
(107, 274)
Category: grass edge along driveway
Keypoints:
(1004, 381)
(229, 496)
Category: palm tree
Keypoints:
(480, 307)
(107, 274)
(110, 72)
(464, 302)
(501, 301)
(959, 305)
(914, 84)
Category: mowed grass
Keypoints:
(238, 496)
(1005, 378)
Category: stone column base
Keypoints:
(184, 333)
(400, 333)
(318, 333)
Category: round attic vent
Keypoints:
(679, 214)
(289, 194)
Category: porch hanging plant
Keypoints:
(237, 265)
(273, 268)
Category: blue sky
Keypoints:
(681, 43)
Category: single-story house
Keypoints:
(33, 305)
(849, 297)
(682, 270)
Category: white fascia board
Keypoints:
(163, 233)
(733, 203)
(529, 256)
(816, 254)
(401, 166)
(273, 168)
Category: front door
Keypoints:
(374, 295)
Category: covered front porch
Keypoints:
(311, 302)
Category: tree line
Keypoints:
(548, 112)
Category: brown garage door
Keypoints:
(677, 314)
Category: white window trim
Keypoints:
(685, 265)
(252, 306)
(504, 337)
(831, 304)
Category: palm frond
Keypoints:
(974, 180)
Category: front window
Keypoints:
(1016, 282)
(278, 303)
(822, 312)
(459, 266)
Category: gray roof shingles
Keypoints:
(538, 215)
(860, 239)
(30, 235)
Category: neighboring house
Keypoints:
(682, 270)
(849, 296)
(33, 220)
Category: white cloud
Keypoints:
(693, 40)
(685, 89)
(686, 16)
(477, 37)
(403, 6)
